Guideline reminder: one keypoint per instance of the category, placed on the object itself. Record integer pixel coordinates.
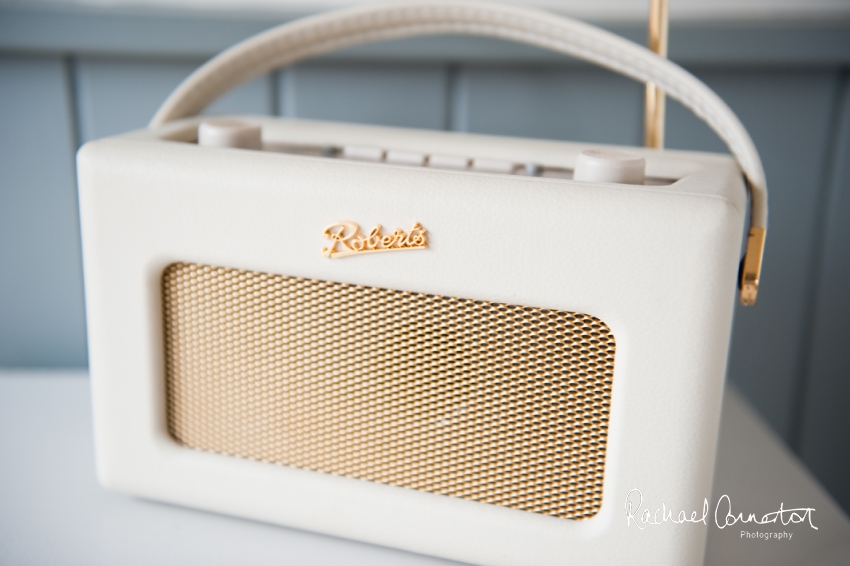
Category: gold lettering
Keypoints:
(400, 239)
(347, 239)
(374, 239)
(416, 236)
(340, 233)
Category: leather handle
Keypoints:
(316, 35)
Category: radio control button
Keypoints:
(448, 162)
(605, 166)
(363, 153)
(224, 132)
(405, 158)
(493, 165)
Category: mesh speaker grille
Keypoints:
(491, 402)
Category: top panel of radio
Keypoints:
(594, 165)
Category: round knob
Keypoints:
(605, 166)
(223, 132)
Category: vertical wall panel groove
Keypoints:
(286, 93)
(457, 112)
(274, 93)
(71, 87)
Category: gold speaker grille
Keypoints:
(491, 402)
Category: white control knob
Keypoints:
(605, 166)
(223, 132)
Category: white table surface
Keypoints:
(52, 511)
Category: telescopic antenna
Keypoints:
(654, 109)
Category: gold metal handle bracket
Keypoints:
(751, 267)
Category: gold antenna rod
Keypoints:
(654, 111)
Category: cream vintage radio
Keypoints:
(461, 345)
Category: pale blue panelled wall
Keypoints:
(68, 77)
(41, 289)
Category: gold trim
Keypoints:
(655, 99)
(352, 241)
(751, 271)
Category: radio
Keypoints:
(461, 345)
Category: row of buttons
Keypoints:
(591, 165)
(605, 166)
(396, 157)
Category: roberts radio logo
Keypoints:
(347, 239)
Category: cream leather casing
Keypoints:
(657, 264)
